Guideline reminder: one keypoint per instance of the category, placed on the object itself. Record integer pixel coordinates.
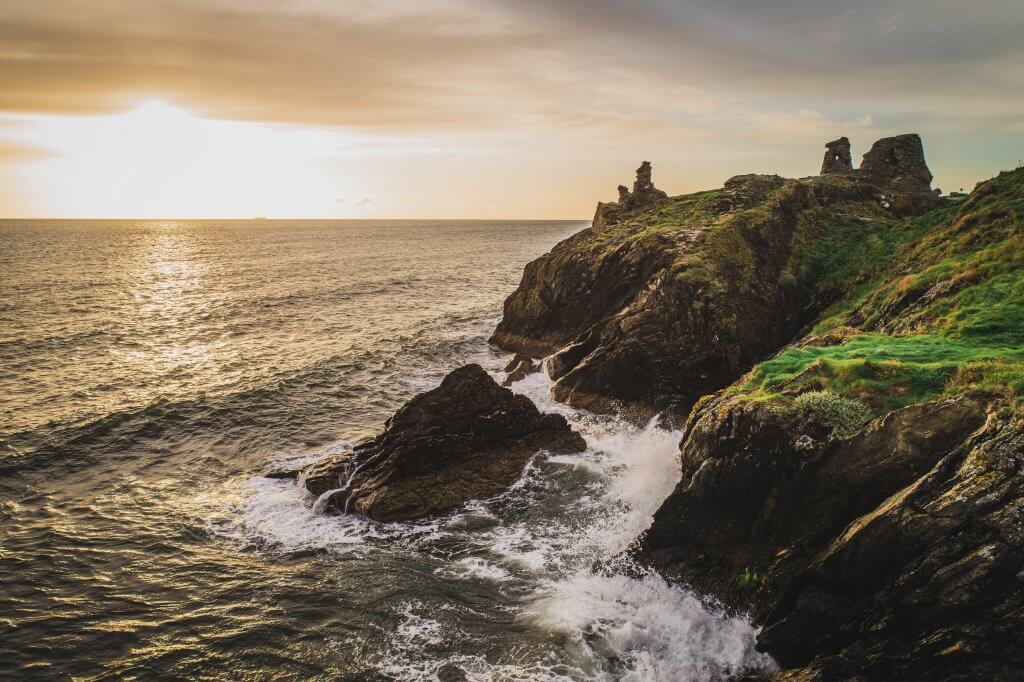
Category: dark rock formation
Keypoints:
(652, 322)
(467, 439)
(837, 157)
(644, 195)
(520, 367)
(572, 288)
(648, 314)
(897, 165)
(894, 554)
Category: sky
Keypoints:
(480, 108)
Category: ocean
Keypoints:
(151, 370)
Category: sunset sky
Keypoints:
(479, 108)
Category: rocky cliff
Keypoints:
(860, 492)
(851, 348)
(664, 300)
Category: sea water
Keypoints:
(150, 371)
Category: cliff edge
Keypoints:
(845, 352)
(666, 299)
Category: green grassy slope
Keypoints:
(926, 306)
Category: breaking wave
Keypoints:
(550, 553)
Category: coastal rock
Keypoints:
(643, 195)
(647, 311)
(866, 548)
(652, 313)
(467, 439)
(572, 288)
(520, 367)
(895, 553)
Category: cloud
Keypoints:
(358, 203)
(254, 60)
(14, 151)
(504, 64)
(529, 107)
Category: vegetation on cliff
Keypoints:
(887, 547)
(656, 306)
(852, 346)
(935, 306)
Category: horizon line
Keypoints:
(272, 219)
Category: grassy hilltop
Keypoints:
(928, 306)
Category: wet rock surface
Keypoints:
(520, 367)
(467, 439)
(893, 554)
(894, 551)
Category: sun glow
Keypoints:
(159, 161)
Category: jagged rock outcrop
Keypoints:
(649, 319)
(652, 309)
(895, 165)
(520, 367)
(868, 548)
(837, 158)
(895, 549)
(893, 554)
(643, 195)
(467, 439)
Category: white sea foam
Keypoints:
(474, 567)
(542, 538)
(649, 628)
(626, 627)
(281, 515)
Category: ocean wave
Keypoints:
(377, 382)
(554, 543)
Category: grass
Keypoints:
(844, 415)
(922, 307)
(748, 579)
(926, 307)
(886, 372)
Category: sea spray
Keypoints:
(545, 558)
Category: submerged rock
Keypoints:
(467, 439)
(520, 367)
